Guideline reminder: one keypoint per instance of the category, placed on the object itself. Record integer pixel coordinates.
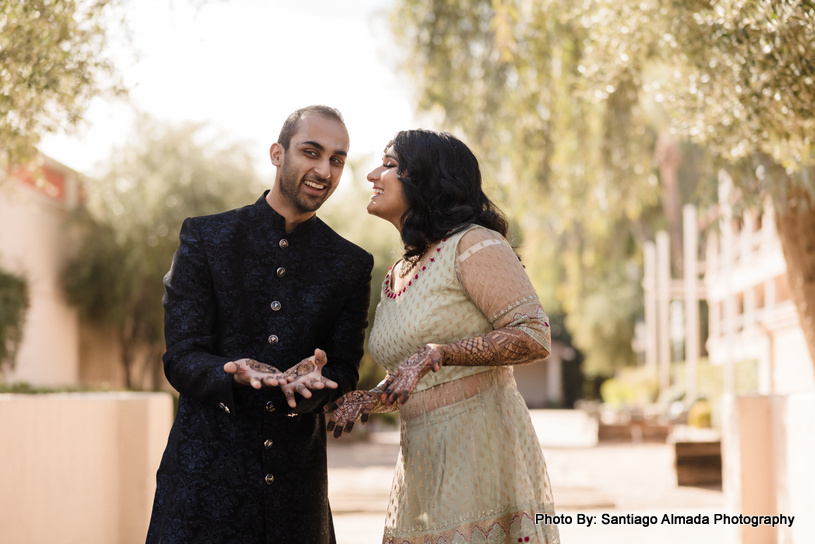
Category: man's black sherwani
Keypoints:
(239, 466)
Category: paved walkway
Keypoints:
(613, 479)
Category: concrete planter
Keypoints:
(767, 445)
(80, 467)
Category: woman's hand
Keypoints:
(401, 383)
(349, 408)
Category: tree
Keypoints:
(736, 76)
(52, 64)
(567, 102)
(131, 224)
(574, 172)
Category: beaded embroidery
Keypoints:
(390, 294)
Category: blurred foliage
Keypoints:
(700, 414)
(640, 385)
(130, 227)
(25, 388)
(575, 174)
(631, 386)
(710, 378)
(13, 306)
(52, 63)
(736, 75)
(606, 319)
(564, 104)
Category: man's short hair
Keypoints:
(290, 125)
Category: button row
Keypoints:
(275, 305)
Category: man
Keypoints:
(265, 313)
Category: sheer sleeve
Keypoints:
(493, 277)
(495, 280)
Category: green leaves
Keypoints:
(52, 63)
(132, 219)
(563, 103)
(571, 163)
(13, 305)
(735, 75)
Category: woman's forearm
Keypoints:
(506, 346)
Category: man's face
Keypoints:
(310, 169)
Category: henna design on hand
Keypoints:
(263, 368)
(353, 406)
(254, 373)
(306, 376)
(304, 367)
(401, 383)
(496, 348)
(506, 346)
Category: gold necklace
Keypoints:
(408, 264)
(391, 270)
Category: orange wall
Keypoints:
(80, 467)
(35, 244)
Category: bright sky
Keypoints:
(242, 66)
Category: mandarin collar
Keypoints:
(268, 215)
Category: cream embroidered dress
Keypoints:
(470, 468)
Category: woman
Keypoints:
(458, 304)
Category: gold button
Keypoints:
(268, 444)
(283, 243)
(270, 406)
(275, 306)
(269, 479)
(281, 272)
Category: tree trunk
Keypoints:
(127, 356)
(152, 371)
(796, 230)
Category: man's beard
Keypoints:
(290, 188)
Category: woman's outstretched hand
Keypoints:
(401, 383)
(349, 408)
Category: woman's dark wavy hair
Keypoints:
(441, 182)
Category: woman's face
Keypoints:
(387, 201)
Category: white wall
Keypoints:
(767, 445)
(793, 370)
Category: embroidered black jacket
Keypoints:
(239, 465)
